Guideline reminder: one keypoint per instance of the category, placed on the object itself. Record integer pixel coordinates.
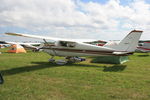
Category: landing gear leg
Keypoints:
(70, 59)
(52, 60)
(75, 59)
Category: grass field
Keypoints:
(31, 77)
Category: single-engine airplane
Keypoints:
(143, 47)
(73, 49)
(27, 45)
(3, 44)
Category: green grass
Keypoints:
(31, 77)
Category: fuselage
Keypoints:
(77, 49)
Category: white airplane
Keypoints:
(72, 49)
(143, 47)
(4, 44)
(27, 45)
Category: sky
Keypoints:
(78, 19)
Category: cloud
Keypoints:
(76, 19)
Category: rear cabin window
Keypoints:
(67, 44)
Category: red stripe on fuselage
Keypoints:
(89, 51)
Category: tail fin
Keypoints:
(129, 43)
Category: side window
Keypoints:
(140, 44)
(67, 44)
(70, 44)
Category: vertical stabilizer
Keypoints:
(129, 43)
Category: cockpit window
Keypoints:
(63, 43)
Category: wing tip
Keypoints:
(14, 34)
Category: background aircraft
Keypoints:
(4, 44)
(143, 47)
(27, 45)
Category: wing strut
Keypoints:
(50, 47)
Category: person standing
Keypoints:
(1, 79)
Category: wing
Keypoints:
(50, 38)
(32, 36)
(21, 43)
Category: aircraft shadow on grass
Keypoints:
(144, 55)
(115, 68)
(44, 65)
